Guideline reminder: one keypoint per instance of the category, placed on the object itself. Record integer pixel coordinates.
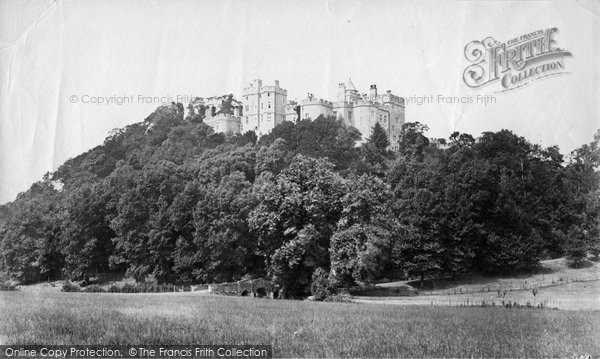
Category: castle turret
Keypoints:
(351, 91)
(311, 108)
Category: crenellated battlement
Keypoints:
(390, 98)
(361, 103)
(316, 102)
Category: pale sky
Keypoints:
(51, 51)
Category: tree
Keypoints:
(505, 197)
(30, 242)
(273, 158)
(223, 247)
(295, 217)
(243, 139)
(144, 241)
(379, 138)
(361, 245)
(583, 177)
(86, 234)
(412, 142)
(324, 137)
(575, 245)
(170, 200)
(426, 240)
(592, 222)
(419, 254)
(359, 253)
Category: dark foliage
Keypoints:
(169, 201)
(320, 286)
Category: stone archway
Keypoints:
(244, 293)
(260, 293)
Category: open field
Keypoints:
(571, 296)
(552, 272)
(554, 285)
(295, 328)
(431, 324)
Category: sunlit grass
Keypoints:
(295, 328)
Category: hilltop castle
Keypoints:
(264, 107)
(361, 111)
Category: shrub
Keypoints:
(320, 286)
(128, 288)
(340, 298)
(69, 287)
(143, 287)
(94, 288)
(7, 287)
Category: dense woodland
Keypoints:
(168, 200)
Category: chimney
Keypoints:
(341, 92)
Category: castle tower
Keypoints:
(264, 107)
(251, 103)
(312, 107)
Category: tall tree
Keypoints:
(30, 243)
(365, 232)
(86, 234)
(294, 220)
(379, 138)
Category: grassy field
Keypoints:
(553, 285)
(296, 328)
(569, 296)
(553, 272)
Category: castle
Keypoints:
(221, 113)
(264, 107)
(360, 111)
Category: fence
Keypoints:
(502, 288)
(468, 302)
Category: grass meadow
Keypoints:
(296, 328)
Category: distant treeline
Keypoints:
(170, 201)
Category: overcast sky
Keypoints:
(51, 51)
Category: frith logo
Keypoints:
(514, 63)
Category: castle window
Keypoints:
(269, 105)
